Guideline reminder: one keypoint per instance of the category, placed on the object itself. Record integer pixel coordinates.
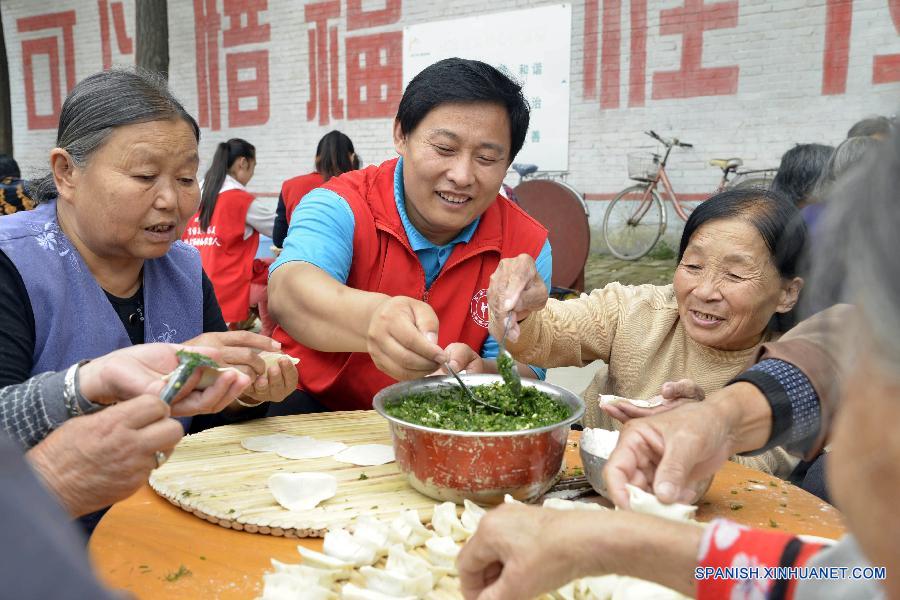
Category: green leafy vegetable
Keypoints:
(188, 362)
(182, 571)
(449, 408)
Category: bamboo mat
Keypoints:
(212, 476)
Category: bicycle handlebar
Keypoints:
(668, 142)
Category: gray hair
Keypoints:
(100, 103)
(858, 262)
(851, 153)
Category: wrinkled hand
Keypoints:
(136, 370)
(673, 395)
(95, 460)
(516, 286)
(462, 358)
(402, 338)
(522, 551)
(276, 384)
(674, 454)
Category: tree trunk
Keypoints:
(152, 33)
(6, 130)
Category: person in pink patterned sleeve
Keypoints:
(521, 551)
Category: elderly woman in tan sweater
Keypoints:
(734, 285)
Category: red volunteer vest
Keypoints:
(384, 262)
(226, 256)
(295, 188)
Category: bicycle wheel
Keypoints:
(633, 222)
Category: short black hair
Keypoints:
(777, 220)
(458, 80)
(869, 126)
(800, 169)
(9, 167)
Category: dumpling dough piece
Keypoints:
(372, 533)
(411, 564)
(268, 443)
(323, 577)
(302, 491)
(599, 442)
(323, 561)
(649, 504)
(471, 516)
(353, 592)
(562, 504)
(340, 543)
(307, 447)
(446, 523)
(407, 529)
(271, 358)
(366, 455)
(397, 583)
(442, 551)
(287, 586)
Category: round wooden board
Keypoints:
(212, 476)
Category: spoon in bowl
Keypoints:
(474, 398)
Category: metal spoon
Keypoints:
(469, 392)
(511, 376)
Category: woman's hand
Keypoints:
(130, 372)
(93, 461)
(276, 384)
(672, 395)
(517, 287)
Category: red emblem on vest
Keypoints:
(479, 308)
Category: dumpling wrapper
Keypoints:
(399, 559)
(209, 375)
(323, 577)
(305, 447)
(563, 504)
(366, 455)
(354, 592)
(373, 533)
(611, 399)
(302, 491)
(649, 504)
(269, 443)
(323, 561)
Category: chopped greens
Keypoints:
(188, 362)
(449, 408)
(182, 571)
(506, 366)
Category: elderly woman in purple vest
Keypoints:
(97, 265)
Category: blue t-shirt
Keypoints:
(321, 233)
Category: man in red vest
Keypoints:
(385, 270)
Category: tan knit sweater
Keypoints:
(637, 331)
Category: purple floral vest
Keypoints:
(73, 318)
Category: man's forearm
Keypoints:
(318, 311)
(747, 413)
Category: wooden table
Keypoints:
(143, 541)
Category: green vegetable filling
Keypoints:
(449, 408)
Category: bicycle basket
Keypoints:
(643, 166)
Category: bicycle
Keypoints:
(636, 218)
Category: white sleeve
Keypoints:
(261, 216)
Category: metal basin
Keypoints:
(593, 470)
(479, 466)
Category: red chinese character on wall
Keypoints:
(324, 100)
(693, 79)
(246, 71)
(63, 23)
(374, 75)
(124, 43)
(886, 68)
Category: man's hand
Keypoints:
(136, 370)
(462, 358)
(517, 287)
(95, 460)
(673, 394)
(402, 338)
(674, 454)
(522, 551)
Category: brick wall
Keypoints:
(735, 77)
